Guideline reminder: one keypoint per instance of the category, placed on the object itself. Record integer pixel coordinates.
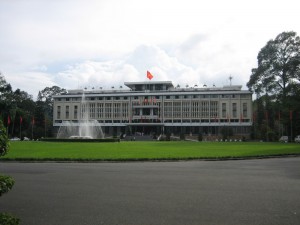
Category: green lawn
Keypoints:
(145, 150)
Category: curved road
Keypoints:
(264, 191)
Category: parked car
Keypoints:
(284, 139)
(15, 139)
(297, 139)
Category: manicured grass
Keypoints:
(123, 151)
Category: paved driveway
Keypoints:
(265, 191)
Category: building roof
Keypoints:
(132, 85)
(167, 89)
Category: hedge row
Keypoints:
(80, 140)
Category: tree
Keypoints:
(4, 86)
(19, 106)
(44, 110)
(276, 81)
(278, 66)
(6, 182)
(46, 95)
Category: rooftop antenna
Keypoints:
(230, 79)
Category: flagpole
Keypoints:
(291, 119)
(20, 131)
(32, 122)
(45, 127)
(8, 123)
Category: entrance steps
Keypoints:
(139, 138)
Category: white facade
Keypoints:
(159, 107)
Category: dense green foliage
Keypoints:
(146, 150)
(4, 143)
(276, 82)
(6, 182)
(7, 219)
(21, 113)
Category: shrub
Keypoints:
(200, 137)
(6, 182)
(6, 219)
(4, 143)
(182, 136)
(168, 137)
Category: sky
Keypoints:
(104, 43)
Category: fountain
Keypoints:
(84, 129)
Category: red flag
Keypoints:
(21, 119)
(254, 116)
(8, 120)
(291, 114)
(149, 75)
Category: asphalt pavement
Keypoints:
(256, 192)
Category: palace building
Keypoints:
(157, 107)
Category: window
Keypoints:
(146, 112)
(92, 110)
(75, 112)
(226, 96)
(158, 87)
(100, 110)
(234, 110)
(136, 112)
(214, 109)
(67, 112)
(58, 112)
(224, 110)
(245, 110)
(205, 109)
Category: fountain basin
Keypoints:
(81, 140)
(80, 137)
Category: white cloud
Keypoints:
(104, 43)
(33, 81)
(132, 68)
